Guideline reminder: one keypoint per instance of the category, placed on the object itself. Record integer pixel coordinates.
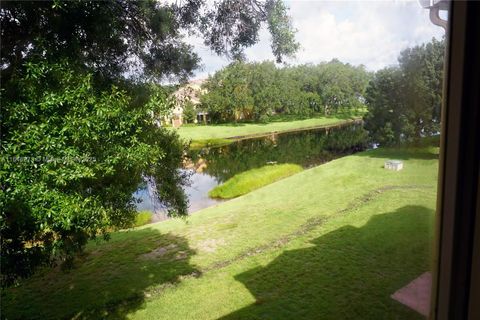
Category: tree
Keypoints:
(341, 85)
(404, 102)
(229, 96)
(384, 97)
(264, 89)
(422, 68)
(71, 162)
(189, 113)
(79, 124)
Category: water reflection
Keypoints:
(211, 166)
(307, 148)
(197, 193)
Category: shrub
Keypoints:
(143, 218)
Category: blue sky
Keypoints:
(371, 33)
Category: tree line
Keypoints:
(258, 91)
(403, 102)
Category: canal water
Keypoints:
(212, 166)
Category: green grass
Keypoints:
(143, 218)
(202, 134)
(253, 179)
(331, 242)
(207, 143)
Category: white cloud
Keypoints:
(359, 32)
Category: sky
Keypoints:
(371, 33)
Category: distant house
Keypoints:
(188, 93)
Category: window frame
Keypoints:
(456, 285)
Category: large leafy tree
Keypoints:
(341, 85)
(71, 160)
(229, 95)
(422, 68)
(80, 126)
(264, 89)
(404, 102)
(385, 118)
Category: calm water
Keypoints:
(307, 148)
(197, 194)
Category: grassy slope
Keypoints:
(214, 132)
(253, 179)
(332, 242)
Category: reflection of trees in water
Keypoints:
(306, 148)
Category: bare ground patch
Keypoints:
(210, 245)
(159, 252)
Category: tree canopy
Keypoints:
(142, 37)
(256, 91)
(404, 102)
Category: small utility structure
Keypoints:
(395, 165)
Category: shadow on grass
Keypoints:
(348, 273)
(108, 282)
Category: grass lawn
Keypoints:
(199, 144)
(331, 242)
(211, 134)
(253, 179)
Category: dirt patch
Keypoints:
(181, 255)
(159, 252)
(210, 245)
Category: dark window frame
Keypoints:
(456, 287)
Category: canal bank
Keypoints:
(218, 134)
(306, 147)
